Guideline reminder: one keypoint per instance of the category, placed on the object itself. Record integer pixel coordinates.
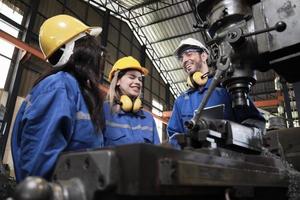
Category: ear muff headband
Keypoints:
(128, 106)
(197, 79)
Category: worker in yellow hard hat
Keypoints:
(125, 120)
(63, 111)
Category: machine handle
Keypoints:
(279, 27)
(237, 36)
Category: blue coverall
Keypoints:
(188, 102)
(54, 118)
(127, 127)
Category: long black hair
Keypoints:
(84, 64)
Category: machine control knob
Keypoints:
(33, 188)
(280, 26)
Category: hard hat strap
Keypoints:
(68, 50)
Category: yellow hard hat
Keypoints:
(60, 29)
(126, 63)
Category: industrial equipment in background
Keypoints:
(251, 33)
(219, 159)
(7, 182)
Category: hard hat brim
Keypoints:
(189, 42)
(143, 70)
(95, 31)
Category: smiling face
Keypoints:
(194, 61)
(131, 83)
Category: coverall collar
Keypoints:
(200, 89)
(139, 113)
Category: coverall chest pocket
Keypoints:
(147, 137)
(115, 134)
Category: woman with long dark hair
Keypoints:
(63, 111)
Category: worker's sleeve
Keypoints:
(47, 128)
(175, 125)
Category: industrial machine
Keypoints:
(143, 171)
(218, 159)
(255, 35)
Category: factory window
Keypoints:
(157, 110)
(7, 49)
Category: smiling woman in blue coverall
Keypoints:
(192, 55)
(63, 111)
(125, 120)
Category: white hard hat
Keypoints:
(189, 42)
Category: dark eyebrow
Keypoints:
(133, 74)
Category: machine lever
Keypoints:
(279, 27)
(237, 36)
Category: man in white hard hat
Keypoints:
(193, 55)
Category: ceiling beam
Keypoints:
(268, 103)
(145, 3)
(142, 13)
(263, 93)
(166, 19)
(175, 36)
(173, 70)
(21, 45)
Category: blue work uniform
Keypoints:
(54, 118)
(127, 127)
(186, 104)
